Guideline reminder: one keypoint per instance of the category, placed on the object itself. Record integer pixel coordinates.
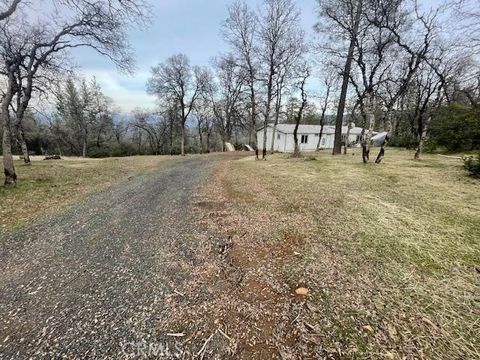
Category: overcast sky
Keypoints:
(178, 26)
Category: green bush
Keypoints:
(404, 140)
(175, 150)
(99, 153)
(457, 128)
(472, 165)
(123, 149)
(430, 146)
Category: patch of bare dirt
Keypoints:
(239, 293)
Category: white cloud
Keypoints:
(126, 91)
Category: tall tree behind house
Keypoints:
(279, 32)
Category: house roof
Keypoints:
(314, 129)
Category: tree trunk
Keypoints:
(278, 106)
(267, 109)
(365, 152)
(272, 145)
(320, 134)
(381, 153)
(21, 108)
(296, 149)
(298, 118)
(23, 144)
(388, 128)
(139, 142)
(171, 136)
(370, 112)
(337, 145)
(253, 120)
(265, 125)
(84, 147)
(182, 146)
(200, 138)
(347, 138)
(8, 165)
(423, 139)
(264, 151)
(254, 139)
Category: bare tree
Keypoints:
(30, 47)
(177, 81)
(43, 83)
(328, 83)
(350, 125)
(153, 126)
(227, 99)
(119, 130)
(388, 42)
(240, 30)
(303, 72)
(343, 20)
(206, 124)
(433, 86)
(373, 47)
(413, 34)
(279, 32)
(284, 75)
(428, 98)
(467, 20)
(8, 9)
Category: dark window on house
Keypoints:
(304, 139)
(278, 136)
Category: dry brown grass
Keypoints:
(46, 186)
(390, 253)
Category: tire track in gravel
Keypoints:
(82, 283)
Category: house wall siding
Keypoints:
(284, 142)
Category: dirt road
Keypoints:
(91, 282)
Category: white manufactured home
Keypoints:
(308, 136)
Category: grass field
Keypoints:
(390, 253)
(45, 186)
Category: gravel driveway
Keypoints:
(90, 282)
